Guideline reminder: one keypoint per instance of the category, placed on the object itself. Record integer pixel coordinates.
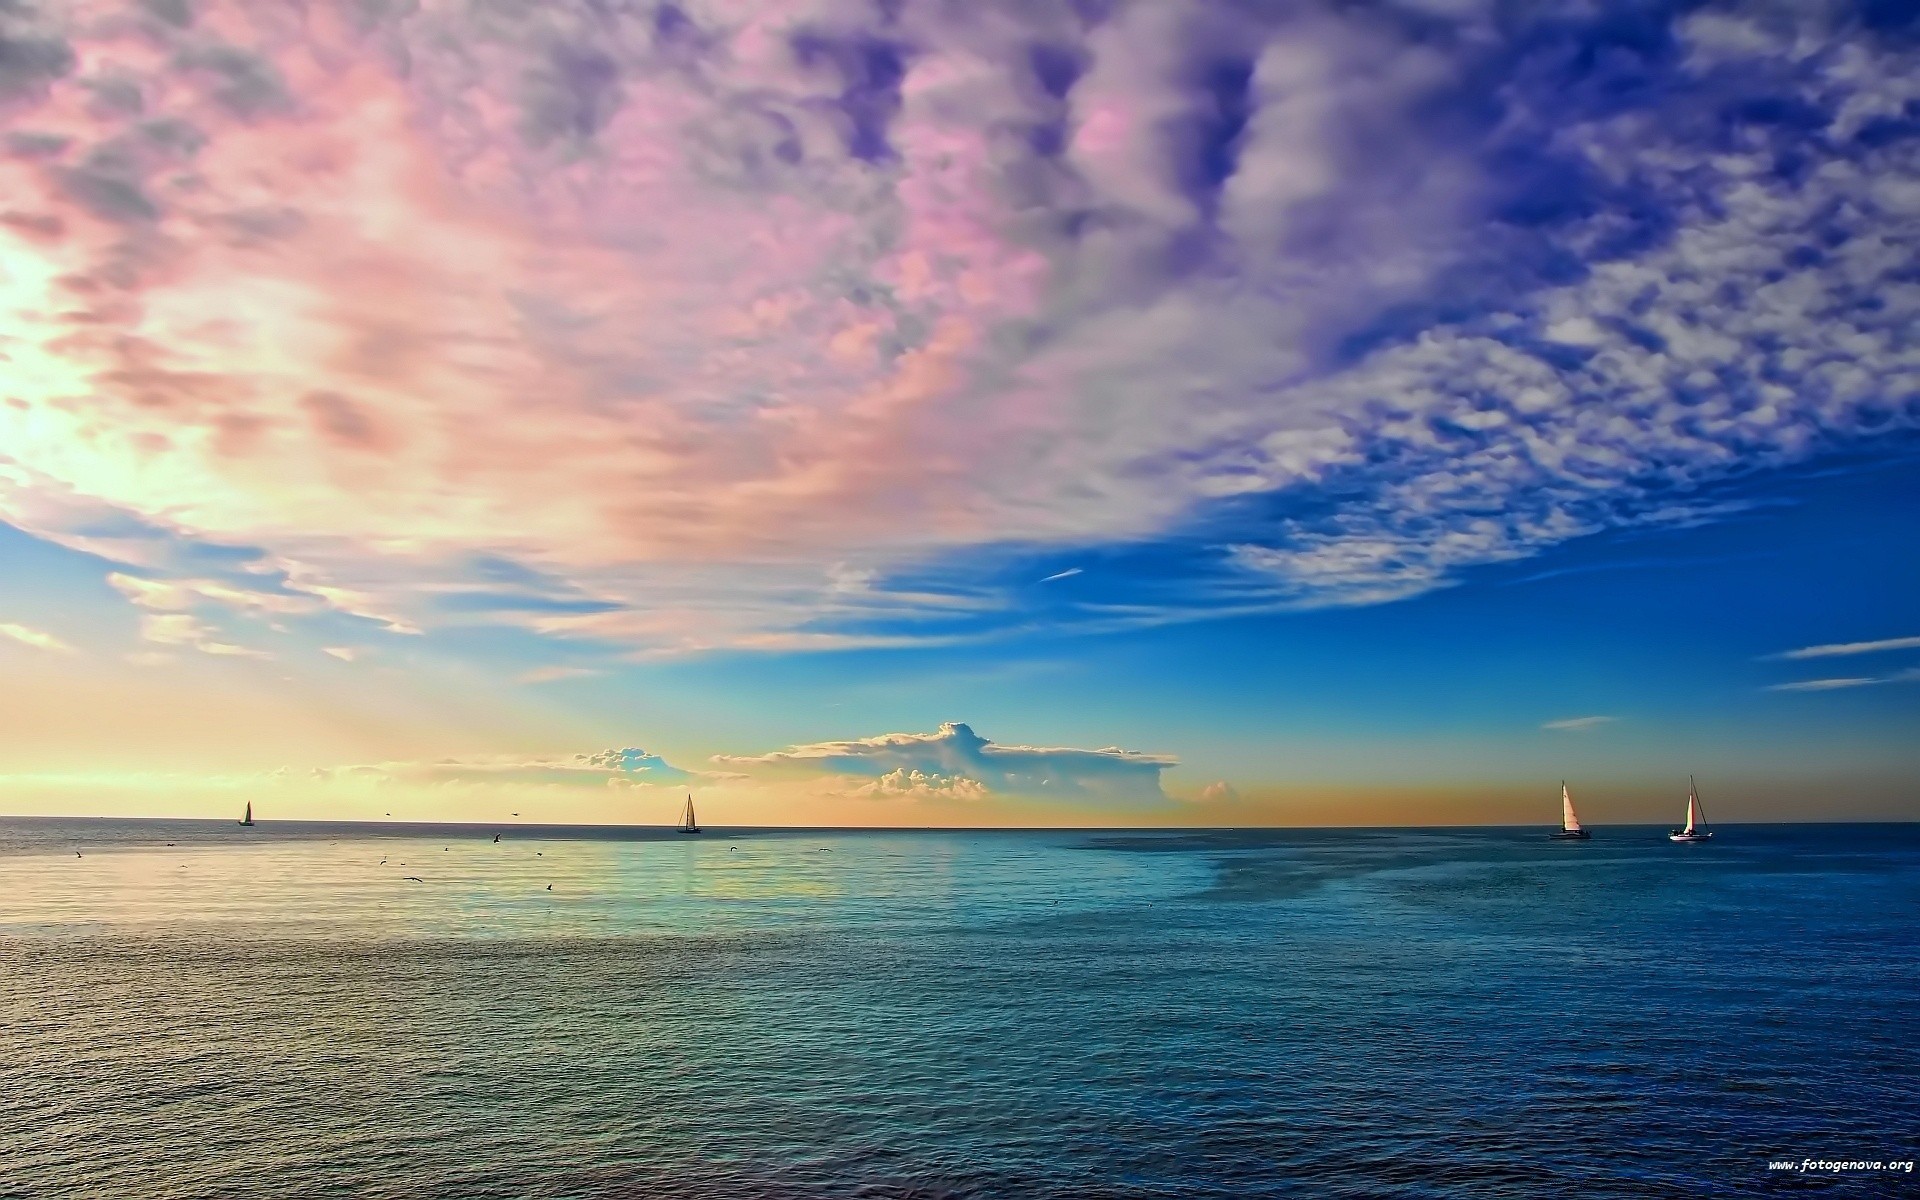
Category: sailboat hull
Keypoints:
(1570, 835)
(1681, 835)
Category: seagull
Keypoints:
(416, 879)
(496, 837)
(77, 854)
(549, 887)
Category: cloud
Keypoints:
(1579, 724)
(956, 761)
(618, 768)
(1839, 649)
(37, 638)
(1219, 792)
(182, 594)
(903, 782)
(183, 629)
(1069, 573)
(1823, 685)
(697, 319)
(1910, 675)
(555, 674)
(343, 653)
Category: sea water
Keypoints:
(194, 1009)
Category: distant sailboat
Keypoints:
(248, 818)
(1696, 830)
(687, 823)
(1570, 830)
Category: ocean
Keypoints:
(193, 1009)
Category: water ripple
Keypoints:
(952, 1016)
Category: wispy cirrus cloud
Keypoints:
(557, 674)
(184, 629)
(183, 594)
(1825, 685)
(713, 325)
(1845, 649)
(39, 639)
(1910, 675)
(1578, 724)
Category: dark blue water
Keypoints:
(277, 1012)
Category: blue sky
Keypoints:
(1228, 411)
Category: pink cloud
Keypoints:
(381, 294)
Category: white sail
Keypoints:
(686, 820)
(1568, 821)
(1694, 817)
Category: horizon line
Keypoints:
(499, 825)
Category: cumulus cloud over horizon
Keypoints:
(950, 764)
(747, 324)
(956, 762)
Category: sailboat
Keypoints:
(687, 823)
(248, 818)
(1696, 830)
(1569, 830)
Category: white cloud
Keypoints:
(954, 752)
(1069, 573)
(1825, 685)
(904, 782)
(1219, 792)
(1840, 649)
(1910, 675)
(1579, 724)
(39, 639)
(343, 653)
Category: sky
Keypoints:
(899, 412)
